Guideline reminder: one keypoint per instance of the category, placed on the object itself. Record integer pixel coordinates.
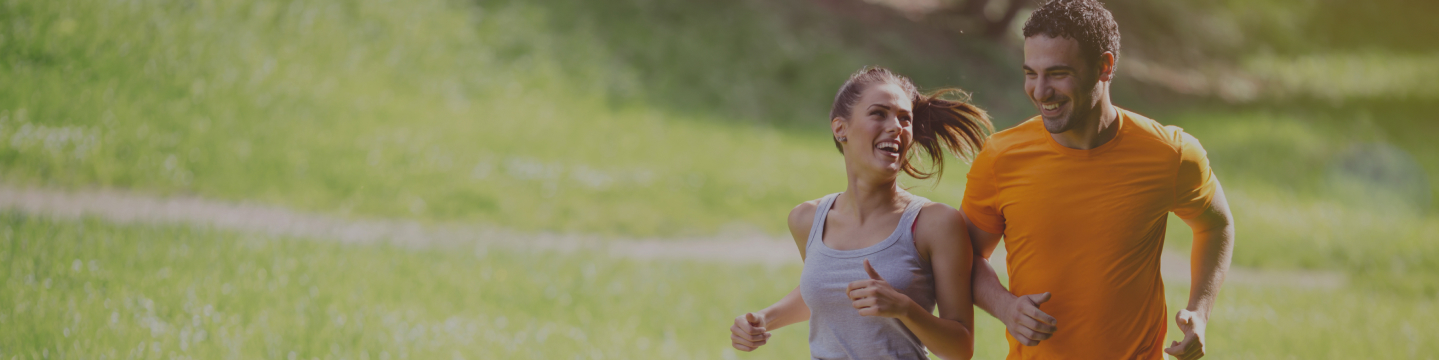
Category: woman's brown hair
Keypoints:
(943, 119)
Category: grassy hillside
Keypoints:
(625, 118)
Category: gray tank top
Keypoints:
(836, 331)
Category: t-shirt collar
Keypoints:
(1118, 134)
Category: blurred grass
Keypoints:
(433, 110)
(618, 117)
(1339, 190)
(623, 118)
(87, 289)
(91, 290)
(1339, 77)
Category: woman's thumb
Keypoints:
(751, 319)
(870, 269)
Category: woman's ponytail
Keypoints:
(945, 119)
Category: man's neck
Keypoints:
(1094, 131)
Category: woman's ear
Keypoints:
(837, 126)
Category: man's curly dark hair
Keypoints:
(1085, 21)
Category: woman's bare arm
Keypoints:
(951, 335)
(751, 330)
(940, 236)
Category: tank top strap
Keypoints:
(911, 212)
(816, 230)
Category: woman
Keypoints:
(877, 259)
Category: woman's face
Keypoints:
(878, 131)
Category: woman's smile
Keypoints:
(889, 148)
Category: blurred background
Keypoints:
(609, 179)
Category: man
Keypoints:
(1080, 195)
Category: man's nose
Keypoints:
(1042, 91)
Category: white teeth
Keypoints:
(1051, 106)
(888, 146)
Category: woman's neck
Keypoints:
(863, 198)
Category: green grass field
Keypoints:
(86, 289)
(623, 118)
(523, 115)
(517, 115)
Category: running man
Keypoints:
(1080, 195)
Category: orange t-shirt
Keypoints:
(1088, 227)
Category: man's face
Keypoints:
(1059, 81)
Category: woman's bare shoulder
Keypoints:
(940, 224)
(801, 218)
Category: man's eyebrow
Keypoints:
(1060, 67)
(1051, 68)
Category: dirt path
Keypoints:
(131, 208)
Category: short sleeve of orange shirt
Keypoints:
(980, 193)
(1196, 182)
(1088, 226)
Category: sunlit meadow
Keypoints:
(97, 291)
(618, 118)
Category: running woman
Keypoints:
(877, 259)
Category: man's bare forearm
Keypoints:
(1209, 263)
(989, 294)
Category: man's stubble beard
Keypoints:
(1056, 126)
(1075, 116)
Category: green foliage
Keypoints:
(1234, 29)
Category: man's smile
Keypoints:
(1052, 109)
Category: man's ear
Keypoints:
(1107, 61)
